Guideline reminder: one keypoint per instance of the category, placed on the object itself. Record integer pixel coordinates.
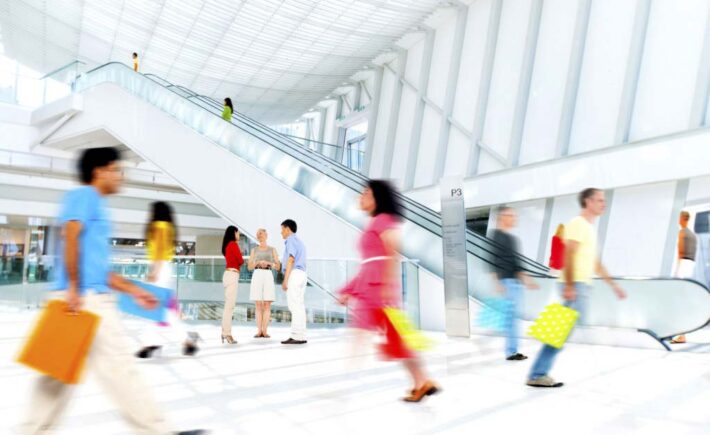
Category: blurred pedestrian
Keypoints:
(263, 260)
(376, 285)
(161, 236)
(230, 279)
(85, 282)
(295, 280)
(581, 263)
(510, 278)
(685, 260)
(135, 62)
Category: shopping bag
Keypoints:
(128, 305)
(495, 313)
(60, 342)
(554, 325)
(411, 337)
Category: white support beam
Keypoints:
(394, 114)
(372, 121)
(414, 142)
(633, 69)
(523, 93)
(698, 110)
(574, 70)
(484, 86)
(323, 111)
(450, 96)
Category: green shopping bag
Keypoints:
(554, 325)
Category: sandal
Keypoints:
(428, 389)
(679, 340)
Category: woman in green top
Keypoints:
(228, 110)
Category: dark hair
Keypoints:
(290, 224)
(161, 212)
(386, 200)
(228, 103)
(229, 236)
(135, 54)
(93, 158)
(586, 194)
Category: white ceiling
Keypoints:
(275, 58)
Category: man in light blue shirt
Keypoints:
(85, 282)
(293, 267)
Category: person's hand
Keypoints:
(73, 301)
(146, 300)
(569, 293)
(152, 277)
(620, 293)
(343, 299)
(284, 285)
(500, 288)
(532, 285)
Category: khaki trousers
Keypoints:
(230, 281)
(112, 362)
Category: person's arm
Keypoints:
(72, 230)
(527, 280)
(601, 271)
(681, 244)
(570, 293)
(390, 240)
(289, 267)
(251, 264)
(145, 299)
(277, 263)
(238, 253)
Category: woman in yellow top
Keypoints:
(228, 110)
(135, 62)
(160, 236)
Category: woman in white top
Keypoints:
(263, 260)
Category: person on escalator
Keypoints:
(135, 62)
(685, 260)
(228, 110)
(581, 263)
(510, 278)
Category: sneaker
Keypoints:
(516, 357)
(292, 341)
(544, 382)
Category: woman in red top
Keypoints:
(376, 285)
(230, 279)
(557, 255)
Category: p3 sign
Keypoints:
(456, 193)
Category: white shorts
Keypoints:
(262, 286)
(684, 268)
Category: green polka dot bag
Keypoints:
(554, 325)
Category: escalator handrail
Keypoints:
(420, 211)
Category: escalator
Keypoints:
(252, 175)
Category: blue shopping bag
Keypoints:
(128, 305)
(494, 313)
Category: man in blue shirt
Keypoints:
(293, 267)
(85, 281)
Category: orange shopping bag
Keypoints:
(60, 342)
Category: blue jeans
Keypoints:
(514, 294)
(546, 357)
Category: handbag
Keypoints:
(495, 313)
(554, 325)
(60, 342)
(411, 337)
(128, 305)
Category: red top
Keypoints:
(233, 255)
(557, 256)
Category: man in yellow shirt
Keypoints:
(581, 263)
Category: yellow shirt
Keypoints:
(135, 65)
(161, 241)
(585, 260)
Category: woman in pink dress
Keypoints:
(376, 285)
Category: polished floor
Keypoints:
(263, 387)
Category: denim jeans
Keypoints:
(546, 357)
(514, 294)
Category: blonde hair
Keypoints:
(685, 216)
(560, 231)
